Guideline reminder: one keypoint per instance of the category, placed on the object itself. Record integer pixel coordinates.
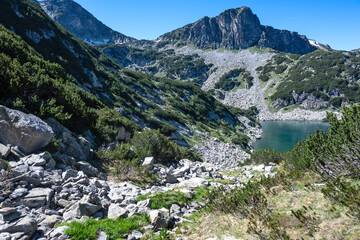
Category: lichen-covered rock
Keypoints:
(26, 131)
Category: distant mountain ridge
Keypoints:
(238, 29)
(81, 23)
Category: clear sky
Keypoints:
(333, 22)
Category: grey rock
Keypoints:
(5, 236)
(144, 203)
(36, 159)
(86, 167)
(7, 210)
(25, 225)
(58, 232)
(62, 203)
(269, 168)
(260, 167)
(51, 221)
(10, 217)
(79, 210)
(77, 147)
(26, 131)
(4, 151)
(19, 192)
(38, 197)
(69, 174)
(149, 162)
(194, 183)
(160, 218)
(20, 169)
(135, 235)
(116, 195)
(101, 236)
(175, 210)
(170, 176)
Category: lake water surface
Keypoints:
(283, 135)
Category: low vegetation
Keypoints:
(332, 76)
(237, 78)
(314, 194)
(165, 199)
(114, 229)
(125, 161)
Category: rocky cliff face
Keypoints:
(81, 23)
(238, 29)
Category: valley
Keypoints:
(107, 137)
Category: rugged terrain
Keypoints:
(82, 23)
(101, 96)
(152, 139)
(206, 52)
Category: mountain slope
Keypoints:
(89, 91)
(237, 29)
(81, 23)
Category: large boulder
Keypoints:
(26, 225)
(115, 212)
(26, 131)
(160, 218)
(38, 197)
(77, 147)
(194, 183)
(80, 210)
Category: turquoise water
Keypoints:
(283, 135)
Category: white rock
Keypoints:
(26, 131)
(194, 183)
(115, 212)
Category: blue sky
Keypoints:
(333, 22)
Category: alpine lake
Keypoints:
(282, 136)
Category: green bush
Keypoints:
(154, 144)
(165, 199)
(240, 139)
(235, 78)
(265, 156)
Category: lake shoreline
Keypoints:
(283, 135)
(296, 115)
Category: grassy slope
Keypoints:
(332, 220)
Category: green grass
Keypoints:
(114, 229)
(260, 50)
(165, 199)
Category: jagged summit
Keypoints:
(238, 29)
(81, 23)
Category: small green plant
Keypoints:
(164, 234)
(165, 199)
(114, 229)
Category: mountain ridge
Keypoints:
(82, 23)
(236, 29)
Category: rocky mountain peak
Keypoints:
(238, 29)
(82, 23)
